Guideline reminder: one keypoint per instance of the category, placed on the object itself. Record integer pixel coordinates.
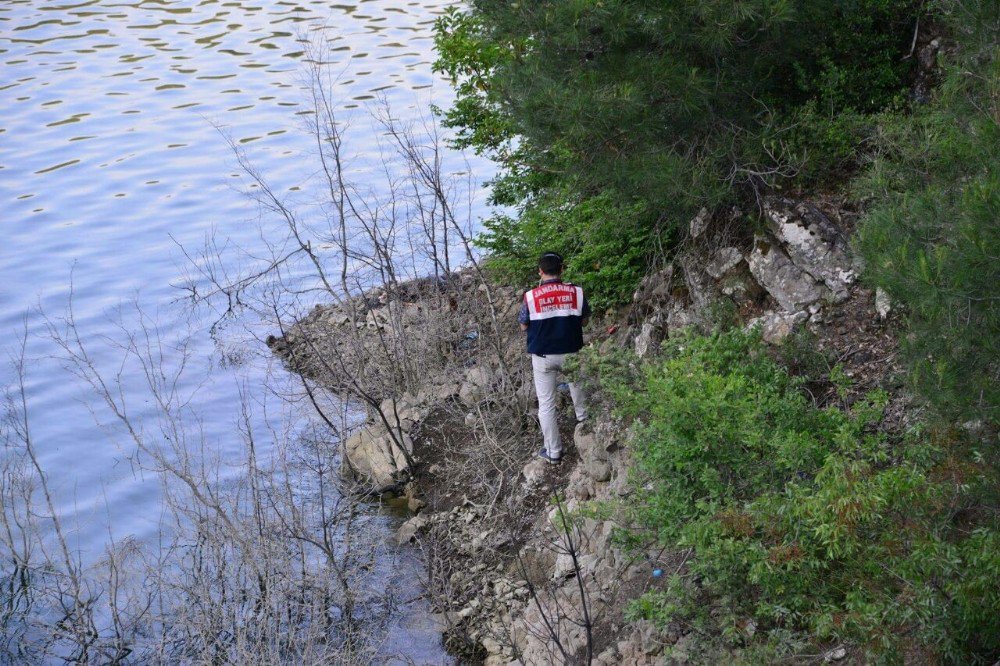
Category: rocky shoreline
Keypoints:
(522, 564)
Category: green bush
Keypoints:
(806, 522)
(932, 237)
(604, 245)
(660, 106)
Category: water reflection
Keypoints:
(101, 58)
(112, 152)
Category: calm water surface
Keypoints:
(112, 116)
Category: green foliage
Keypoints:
(932, 239)
(805, 521)
(822, 146)
(657, 108)
(605, 248)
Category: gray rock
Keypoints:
(680, 317)
(581, 490)
(609, 657)
(565, 567)
(492, 646)
(793, 288)
(337, 317)
(699, 223)
(813, 243)
(376, 456)
(475, 386)
(699, 284)
(599, 470)
(835, 654)
(648, 341)
(776, 326)
(376, 318)
(446, 391)
(724, 260)
(883, 304)
(654, 289)
(407, 532)
(928, 54)
(412, 313)
(534, 472)
(587, 444)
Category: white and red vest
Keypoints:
(555, 318)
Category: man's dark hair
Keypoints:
(551, 263)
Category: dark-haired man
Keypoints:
(553, 315)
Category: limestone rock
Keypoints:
(649, 339)
(654, 289)
(564, 566)
(407, 532)
(475, 386)
(793, 288)
(534, 472)
(402, 413)
(336, 317)
(699, 283)
(724, 260)
(813, 243)
(699, 224)
(732, 275)
(835, 654)
(680, 317)
(376, 456)
(776, 326)
(883, 305)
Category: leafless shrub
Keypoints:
(277, 565)
(566, 625)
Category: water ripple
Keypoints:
(113, 134)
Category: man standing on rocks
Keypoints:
(553, 315)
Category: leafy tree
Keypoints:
(932, 238)
(659, 106)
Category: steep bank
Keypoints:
(521, 557)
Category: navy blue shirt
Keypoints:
(554, 312)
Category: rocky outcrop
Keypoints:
(799, 264)
(393, 354)
(789, 285)
(814, 244)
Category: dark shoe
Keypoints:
(544, 455)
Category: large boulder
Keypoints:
(792, 287)
(377, 457)
(813, 243)
(402, 413)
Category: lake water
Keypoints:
(113, 156)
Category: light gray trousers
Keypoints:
(546, 371)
